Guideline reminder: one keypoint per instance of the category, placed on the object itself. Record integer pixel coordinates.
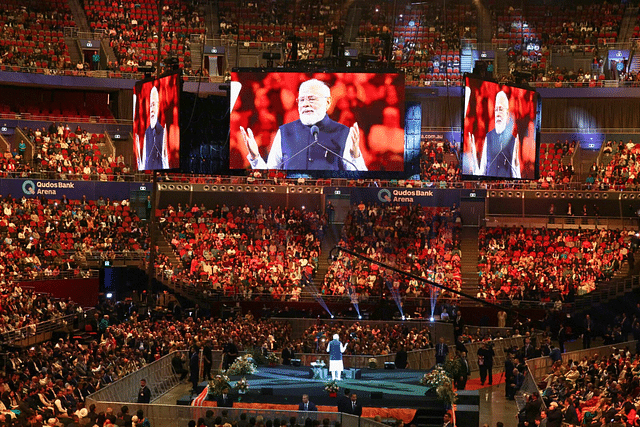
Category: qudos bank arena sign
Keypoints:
(73, 190)
(421, 196)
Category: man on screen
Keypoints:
(154, 154)
(500, 151)
(314, 141)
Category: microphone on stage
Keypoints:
(314, 132)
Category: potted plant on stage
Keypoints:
(439, 381)
(332, 388)
(242, 386)
(243, 365)
(273, 359)
(217, 384)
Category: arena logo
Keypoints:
(47, 188)
(384, 195)
(402, 196)
(28, 187)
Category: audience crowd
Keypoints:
(66, 154)
(438, 160)
(594, 391)
(243, 252)
(31, 34)
(135, 36)
(618, 168)
(421, 240)
(46, 239)
(546, 264)
(365, 339)
(425, 41)
(23, 308)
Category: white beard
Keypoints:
(310, 119)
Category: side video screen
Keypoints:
(501, 130)
(156, 126)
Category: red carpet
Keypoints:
(474, 384)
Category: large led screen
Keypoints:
(501, 128)
(317, 121)
(156, 125)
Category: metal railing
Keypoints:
(180, 415)
(74, 119)
(29, 334)
(539, 368)
(65, 274)
(605, 292)
(160, 378)
(112, 74)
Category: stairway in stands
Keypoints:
(353, 22)
(196, 56)
(211, 19)
(79, 17)
(164, 248)
(188, 292)
(469, 260)
(329, 241)
(628, 23)
(74, 50)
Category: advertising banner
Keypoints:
(406, 196)
(74, 190)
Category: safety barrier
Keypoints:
(539, 367)
(179, 416)
(159, 375)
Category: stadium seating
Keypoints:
(423, 241)
(273, 251)
(546, 264)
(134, 38)
(31, 35)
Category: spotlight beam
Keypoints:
(421, 279)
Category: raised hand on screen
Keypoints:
(139, 158)
(250, 142)
(353, 141)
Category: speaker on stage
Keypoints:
(295, 362)
(376, 395)
(266, 391)
(389, 365)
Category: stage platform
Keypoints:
(392, 393)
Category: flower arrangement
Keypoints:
(243, 365)
(331, 386)
(242, 385)
(273, 359)
(439, 380)
(217, 384)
